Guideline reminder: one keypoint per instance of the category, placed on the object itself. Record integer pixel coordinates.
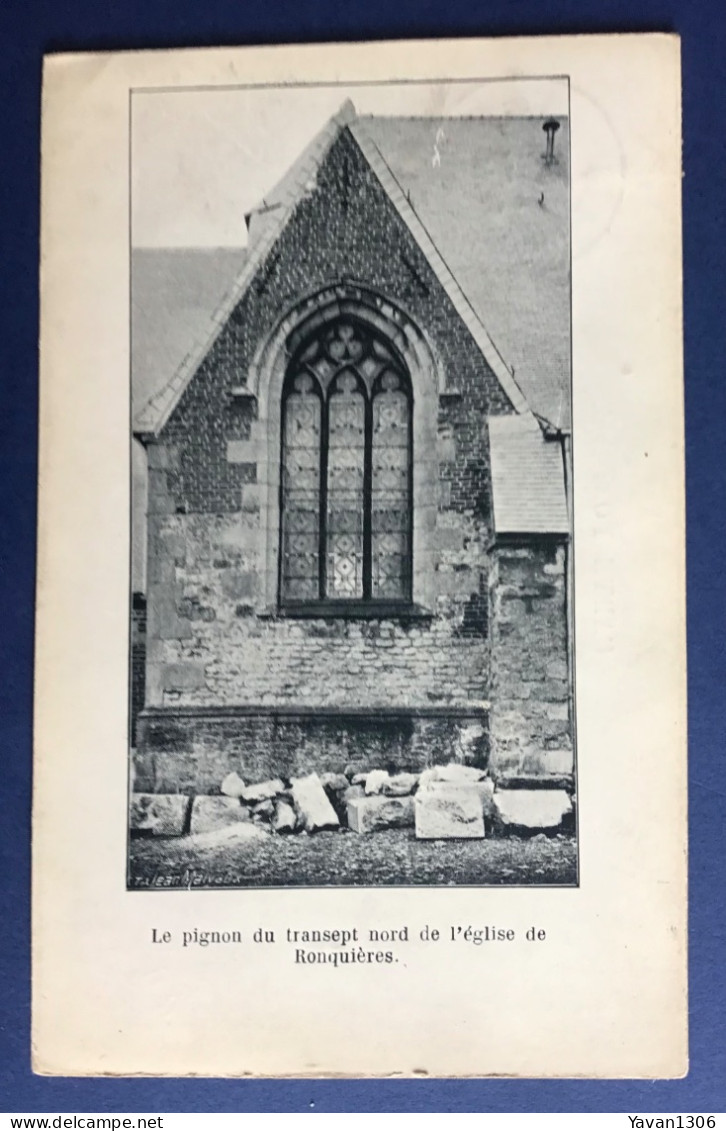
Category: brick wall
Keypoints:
(192, 750)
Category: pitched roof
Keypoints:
(492, 221)
(439, 266)
(173, 291)
(528, 478)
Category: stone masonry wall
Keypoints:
(206, 644)
(138, 660)
(530, 719)
(192, 751)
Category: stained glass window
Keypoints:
(346, 471)
(345, 505)
(390, 489)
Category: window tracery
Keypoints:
(346, 470)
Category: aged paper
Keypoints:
(360, 682)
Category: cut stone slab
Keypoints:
(353, 793)
(262, 792)
(336, 782)
(532, 808)
(369, 814)
(216, 811)
(233, 786)
(399, 785)
(161, 814)
(375, 781)
(312, 803)
(454, 773)
(449, 812)
(285, 818)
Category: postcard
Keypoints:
(360, 672)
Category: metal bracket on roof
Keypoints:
(450, 396)
(549, 430)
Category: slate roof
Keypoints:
(528, 481)
(439, 265)
(509, 253)
(172, 294)
(492, 219)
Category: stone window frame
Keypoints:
(368, 388)
(265, 382)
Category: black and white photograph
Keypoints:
(351, 657)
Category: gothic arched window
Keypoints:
(346, 471)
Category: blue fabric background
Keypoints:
(28, 28)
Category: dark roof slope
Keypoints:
(528, 480)
(500, 218)
(174, 292)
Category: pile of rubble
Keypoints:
(440, 803)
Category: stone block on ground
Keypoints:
(454, 772)
(215, 811)
(312, 804)
(264, 809)
(399, 785)
(484, 789)
(375, 781)
(161, 814)
(264, 791)
(232, 785)
(532, 808)
(353, 793)
(336, 782)
(285, 818)
(449, 811)
(370, 814)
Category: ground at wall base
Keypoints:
(390, 858)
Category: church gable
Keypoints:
(344, 227)
(321, 530)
